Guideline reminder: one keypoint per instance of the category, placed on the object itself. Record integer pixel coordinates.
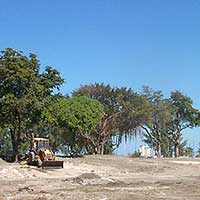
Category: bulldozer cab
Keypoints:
(40, 143)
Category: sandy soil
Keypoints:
(103, 178)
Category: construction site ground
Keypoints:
(103, 178)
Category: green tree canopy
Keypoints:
(79, 116)
(156, 129)
(24, 92)
(125, 111)
(184, 115)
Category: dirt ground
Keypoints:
(103, 178)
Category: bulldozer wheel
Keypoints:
(39, 163)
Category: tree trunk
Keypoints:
(98, 150)
(102, 150)
(15, 147)
(176, 150)
(158, 150)
(15, 144)
(176, 144)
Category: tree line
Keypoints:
(86, 121)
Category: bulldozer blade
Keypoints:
(52, 164)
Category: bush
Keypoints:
(136, 154)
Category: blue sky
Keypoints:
(121, 42)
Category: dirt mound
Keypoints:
(83, 178)
(3, 162)
(103, 177)
(89, 176)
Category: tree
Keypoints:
(125, 111)
(156, 128)
(184, 115)
(80, 117)
(184, 150)
(5, 142)
(24, 92)
(198, 151)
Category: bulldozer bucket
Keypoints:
(52, 164)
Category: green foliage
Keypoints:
(24, 92)
(187, 152)
(183, 111)
(184, 115)
(168, 118)
(87, 121)
(124, 109)
(155, 130)
(24, 147)
(77, 113)
(103, 93)
(5, 142)
(79, 116)
(136, 154)
(198, 152)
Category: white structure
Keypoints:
(145, 151)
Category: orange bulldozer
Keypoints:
(41, 155)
